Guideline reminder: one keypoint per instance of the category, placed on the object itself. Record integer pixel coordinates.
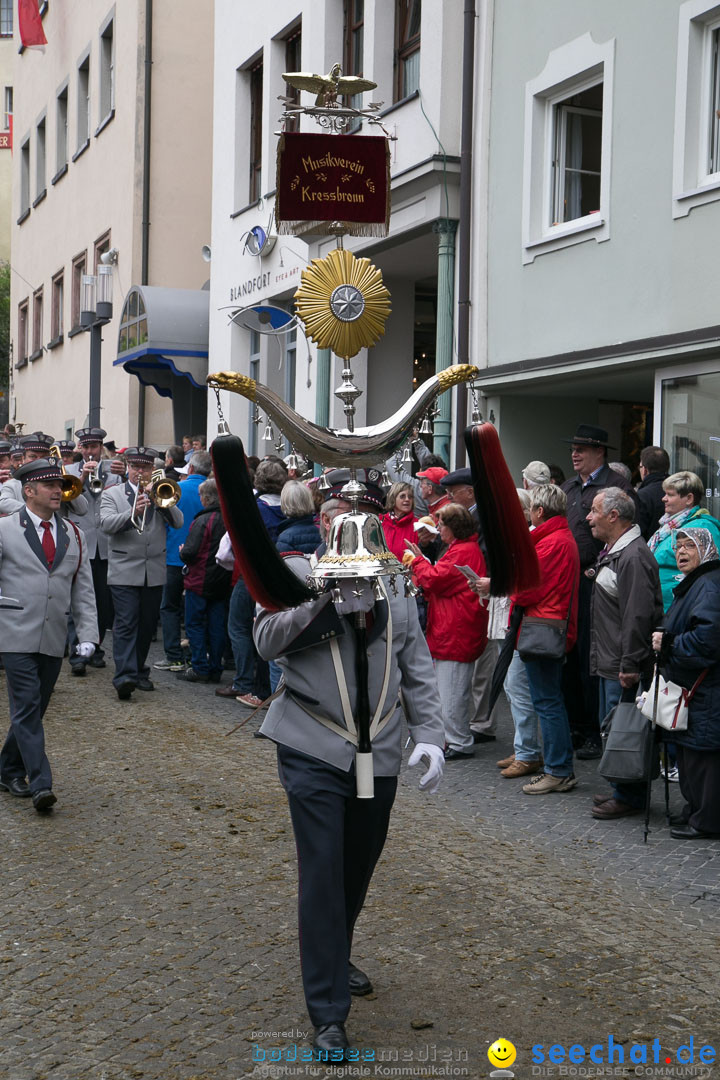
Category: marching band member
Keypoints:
(42, 562)
(136, 567)
(96, 475)
(339, 836)
(33, 447)
(5, 460)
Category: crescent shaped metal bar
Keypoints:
(338, 446)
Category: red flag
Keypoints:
(32, 34)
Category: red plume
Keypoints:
(269, 580)
(510, 550)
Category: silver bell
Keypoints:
(406, 458)
(223, 428)
(323, 483)
(385, 481)
(268, 434)
(292, 461)
(426, 427)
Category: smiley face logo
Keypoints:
(502, 1053)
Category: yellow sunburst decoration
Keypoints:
(343, 303)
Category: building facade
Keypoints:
(603, 209)
(412, 52)
(112, 165)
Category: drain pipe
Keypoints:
(465, 225)
(145, 251)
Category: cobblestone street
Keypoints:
(149, 922)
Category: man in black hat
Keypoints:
(67, 451)
(137, 570)
(5, 460)
(44, 565)
(33, 447)
(96, 475)
(589, 447)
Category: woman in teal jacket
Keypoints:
(684, 493)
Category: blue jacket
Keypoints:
(272, 515)
(694, 622)
(190, 505)
(298, 534)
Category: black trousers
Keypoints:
(699, 772)
(137, 608)
(104, 607)
(31, 678)
(339, 840)
(580, 688)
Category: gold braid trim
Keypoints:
(233, 380)
(457, 374)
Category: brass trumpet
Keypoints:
(161, 491)
(71, 485)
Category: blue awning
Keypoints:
(164, 336)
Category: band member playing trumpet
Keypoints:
(96, 475)
(135, 522)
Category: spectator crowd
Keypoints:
(629, 578)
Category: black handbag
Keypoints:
(629, 753)
(543, 639)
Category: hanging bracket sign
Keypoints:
(323, 178)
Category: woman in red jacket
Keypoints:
(399, 522)
(456, 622)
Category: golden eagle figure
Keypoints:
(328, 87)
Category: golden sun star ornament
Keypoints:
(343, 303)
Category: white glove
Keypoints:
(85, 649)
(430, 780)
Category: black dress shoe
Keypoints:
(591, 748)
(98, 662)
(77, 669)
(458, 755)
(330, 1037)
(125, 689)
(678, 820)
(17, 786)
(360, 985)
(145, 684)
(482, 736)
(687, 832)
(43, 800)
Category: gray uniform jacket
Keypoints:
(39, 625)
(11, 500)
(135, 558)
(95, 538)
(299, 640)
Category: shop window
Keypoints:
(293, 62)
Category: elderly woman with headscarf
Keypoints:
(684, 493)
(689, 646)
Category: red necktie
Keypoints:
(48, 544)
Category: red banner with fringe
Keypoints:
(323, 178)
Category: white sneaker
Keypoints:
(164, 665)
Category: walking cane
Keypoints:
(656, 690)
